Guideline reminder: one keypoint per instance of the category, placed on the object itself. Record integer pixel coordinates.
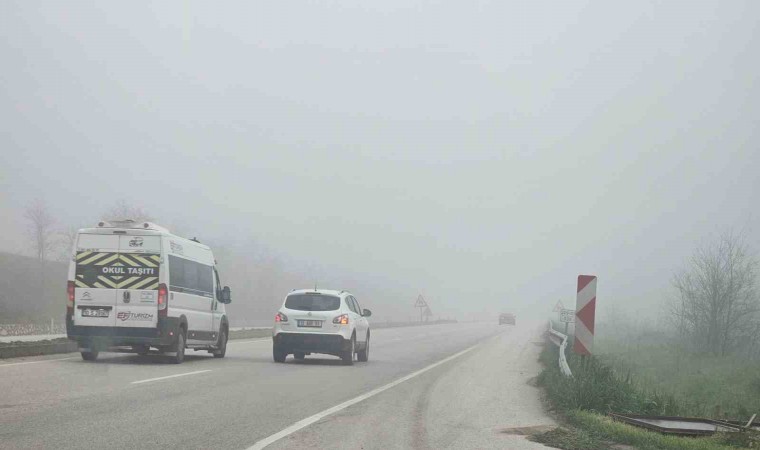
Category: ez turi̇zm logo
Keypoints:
(126, 315)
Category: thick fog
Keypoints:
(481, 153)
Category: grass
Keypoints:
(570, 439)
(595, 389)
(593, 431)
(706, 385)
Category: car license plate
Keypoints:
(94, 313)
(310, 323)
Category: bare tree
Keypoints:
(717, 305)
(66, 238)
(122, 210)
(41, 229)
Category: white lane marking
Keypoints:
(37, 362)
(171, 376)
(320, 415)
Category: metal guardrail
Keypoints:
(560, 340)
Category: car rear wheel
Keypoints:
(90, 356)
(363, 354)
(221, 349)
(348, 355)
(279, 354)
(179, 348)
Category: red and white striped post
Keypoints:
(585, 309)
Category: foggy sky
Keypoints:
(482, 153)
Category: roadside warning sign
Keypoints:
(584, 317)
(420, 303)
(558, 307)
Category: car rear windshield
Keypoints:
(312, 302)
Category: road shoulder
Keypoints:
(483, 399)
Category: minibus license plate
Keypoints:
(94, 313)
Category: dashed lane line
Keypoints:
(149, 380)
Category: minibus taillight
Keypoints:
(70, 300)
(163, 300)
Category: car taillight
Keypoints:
(163, 300)
(342, 319)
(70, 301)
(280, 317)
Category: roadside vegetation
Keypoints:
(700, 384)
(595, 389)
(701, 358)
(703, 354)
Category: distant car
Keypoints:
(321, 321)
(507, 318)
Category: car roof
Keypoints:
(320, 291)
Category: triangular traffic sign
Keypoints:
(420, 302)
(558, 307)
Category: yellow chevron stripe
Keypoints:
(107, 260)
(81, 255)
(152, 287)
(107, 281)
(144, 261)
(143, 282)
(127, 282)
(155, 258)
(128, 261)
(98, 285)
(80, 284)
(94, 258)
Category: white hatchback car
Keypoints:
(321, 321)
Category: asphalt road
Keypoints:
(442, 386)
